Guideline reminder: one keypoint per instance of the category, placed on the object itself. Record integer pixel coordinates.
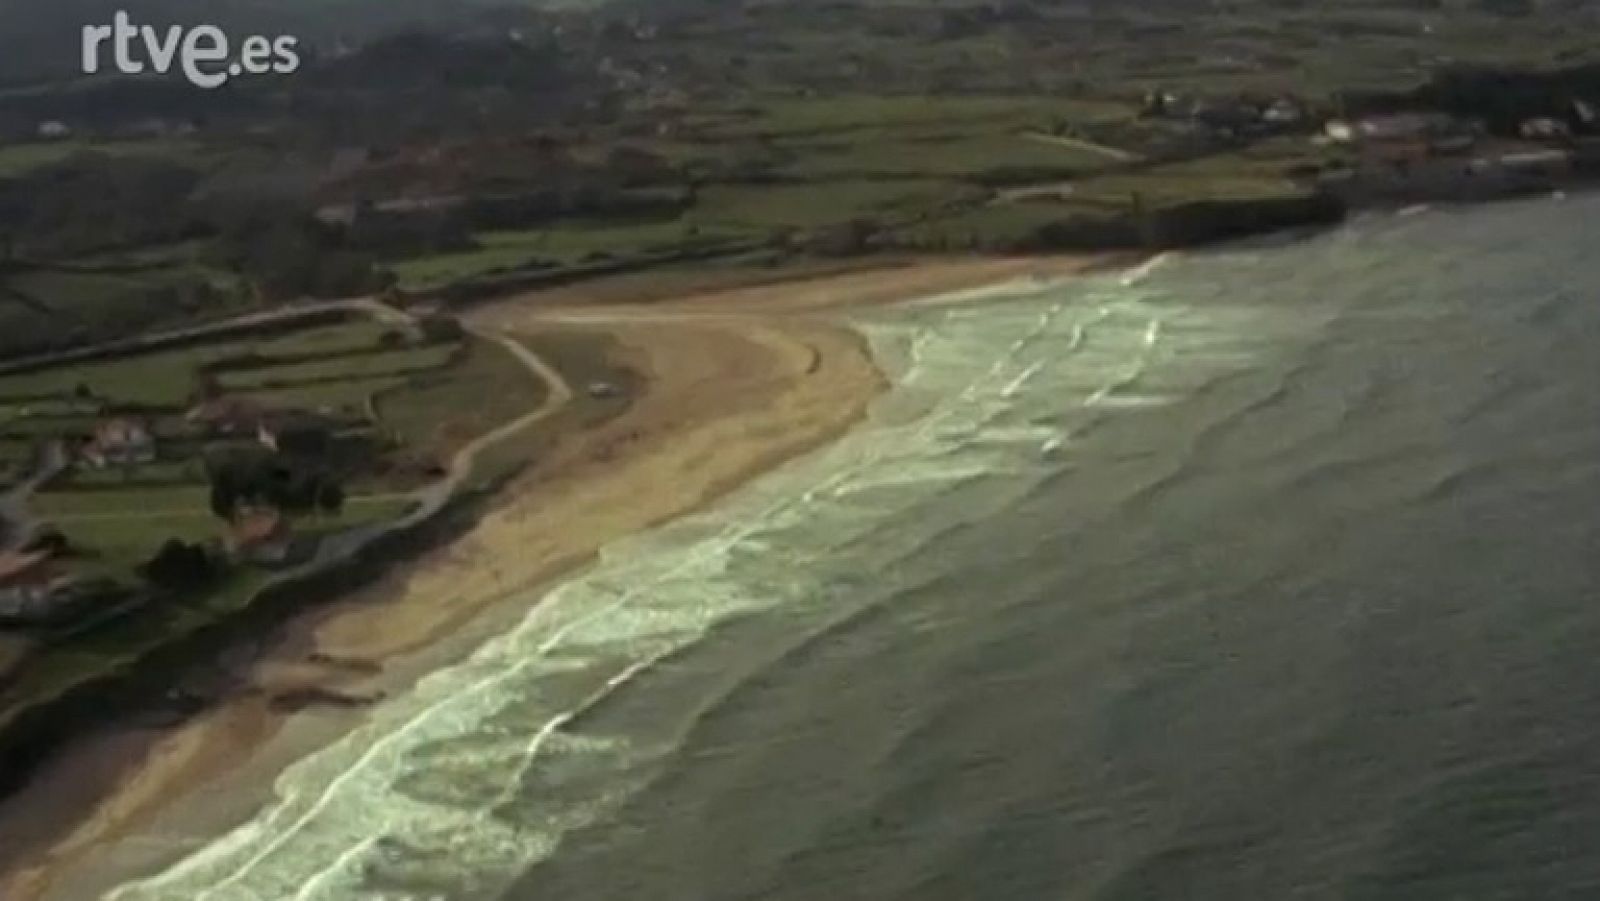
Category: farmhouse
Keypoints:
(1545, 128)
(1540, 162)
(121, 441)
(1403, 137)
(34, 591)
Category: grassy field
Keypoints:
(123, 515)
(582, 358)
(891, 115)
(381, 364)
(437, 416)
(18, 159)
(119, 528)
(168, 377)
(563, 245)
(40, 309)
(815, 205)
(771, 165)
(981, 157)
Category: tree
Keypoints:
(441, 329)
(224, 499)
(330, 497)
(851, 238)
(179, 566)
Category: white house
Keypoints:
(120, 442)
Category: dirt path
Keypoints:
(1114, 153)
(558, 395)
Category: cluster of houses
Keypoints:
(1414, 149)
(1232, 116)
(149, 127)
(119, 441)
(1433, 155)
(37, 589)
(124, 441)
(38, 585)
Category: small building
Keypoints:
(1284, 111)
(336, 214)
(123, 441)
(1162, 103)
(1404, 139)
(42, 604)
(34, 591)
(1404, 126)
(54, 130)
(1545, 128)
(1396, 127)
(1548, 162)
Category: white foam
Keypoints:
(439, 768)
(1146, 269)
(1109, 401)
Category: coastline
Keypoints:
(735, 382)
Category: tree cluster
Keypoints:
(279, 481)
(92, 201)
(286, 254)
(181, 566)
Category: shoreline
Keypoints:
(736, 382)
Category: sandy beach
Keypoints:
(735, 379)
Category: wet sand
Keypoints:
(733, 382)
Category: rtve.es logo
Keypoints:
(204, 53)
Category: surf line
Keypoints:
(1148, 268)
(321, 798)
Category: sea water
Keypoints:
(1258, 573)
